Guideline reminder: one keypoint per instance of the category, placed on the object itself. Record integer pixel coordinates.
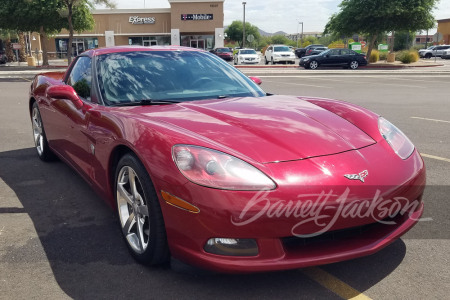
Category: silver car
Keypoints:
(437, 50)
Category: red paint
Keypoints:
(305, 145)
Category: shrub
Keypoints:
(407, 56)
(374, 56)
(383, 55)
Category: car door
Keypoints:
(331, 58)
(72, 119)
(346, 55)
(269, 53)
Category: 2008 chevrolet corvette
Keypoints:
(204, 166)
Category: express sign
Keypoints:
(136, 20)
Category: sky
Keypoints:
(276, 15)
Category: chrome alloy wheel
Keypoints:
(354, 65)
(38, 132)
(133, 210)
(313, 65)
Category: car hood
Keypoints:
(266, 129)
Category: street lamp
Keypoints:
(297, 32)
(243, 32)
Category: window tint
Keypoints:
(346, 52)
(334, 52)
(282, 49)
(80, 77)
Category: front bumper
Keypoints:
(264, 216)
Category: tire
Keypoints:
(428, 55)
(266, 61)
(273, 63)
(313, 65)
(39, 137)
(137, 203)
(353, 65)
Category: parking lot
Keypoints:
(59, 240)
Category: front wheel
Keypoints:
(313, 65)
(139, 212)
(266, 61)
(272, 61)
(354, 65)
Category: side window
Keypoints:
(269, 49)
(80, 77)
(334, 52)
(345, 52)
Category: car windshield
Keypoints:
(250, 51)
(431, 47)
(170, 75)
(281, 49)
(223, 50)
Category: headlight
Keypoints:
(219, 170)
(305, 59)
(395, 138)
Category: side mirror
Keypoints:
(256, 80)
(64, 92)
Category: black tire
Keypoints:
(428, 55)
(354, 64)
(150, 247)
(313, 65)
(266, 61)
(273, 63)
(39, 136)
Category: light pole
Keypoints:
(297, 32)
(243, 32)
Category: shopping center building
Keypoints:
(190, 23)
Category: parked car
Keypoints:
(246, 56)
(446, 54)
(201, 164)
(3, 58)
(224, 53)
(432, 51)
(315, 50)
(334, 57)
(279, 54)
(300, 52)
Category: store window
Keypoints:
(205, 42)
(79, 45)
(149, 40)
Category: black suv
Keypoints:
(300, 52)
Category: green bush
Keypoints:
(383, 55)
(407, 56)
(374, 56)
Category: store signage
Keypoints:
(197, 17)
(136, 20)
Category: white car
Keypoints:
(279, 53)
(246, 56)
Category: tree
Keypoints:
(234, 32)
(403, 40)
(374, 17)
(68, 10)
(42, 16)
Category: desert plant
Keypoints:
(407, 56)
(374, 56)
(383, 55)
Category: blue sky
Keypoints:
(277, 15)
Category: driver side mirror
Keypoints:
(64, 92)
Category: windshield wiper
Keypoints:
(145, 102)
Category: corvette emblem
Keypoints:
(359, 176)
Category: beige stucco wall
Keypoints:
(197, 26)
(444, 29)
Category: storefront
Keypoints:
(193, 23)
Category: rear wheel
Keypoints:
(139, 212)
(354, 65)
(313, 65)
(40, 139)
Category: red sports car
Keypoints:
(204, 166)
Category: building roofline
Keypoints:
(444, 20)
(131, 11)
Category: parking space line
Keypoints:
(334, 284)
(435, 157)
(426, 119)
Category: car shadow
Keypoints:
(82, 241)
